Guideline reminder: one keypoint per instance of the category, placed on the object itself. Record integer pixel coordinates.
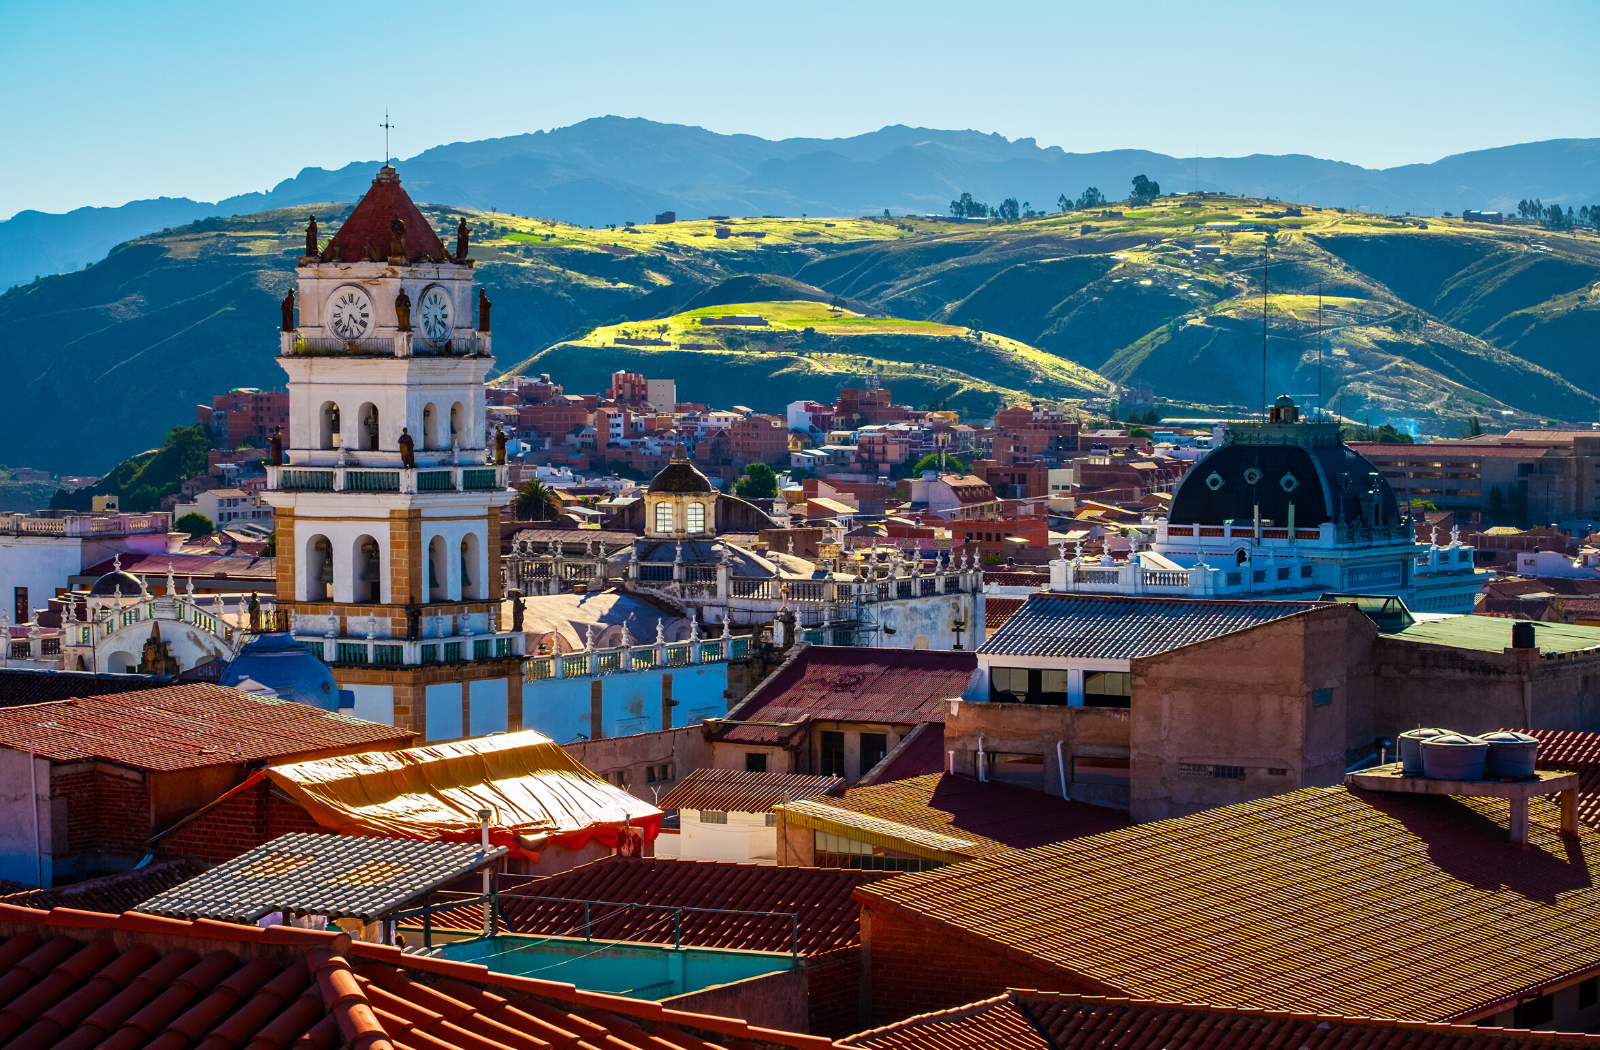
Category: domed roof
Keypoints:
(1272, 465)
(680, 477)
(106, 586)
(287, 666)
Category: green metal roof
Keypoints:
(1491, 634)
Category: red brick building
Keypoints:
(758, 439)
(858, 408)
(245, 414)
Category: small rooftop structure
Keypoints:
(1516, 792)
(339, 876)
(742, 792)
(1114, 627)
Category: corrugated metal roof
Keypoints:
(1026, 1020)
(1492, 634)
(849, 684)
(1327, 899)
(1112, 627)
(340, 876)
(186, 727)
(741, 792)
(968, 818)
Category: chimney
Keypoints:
(1522, 635)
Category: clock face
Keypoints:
(349, 313)
(435, 316)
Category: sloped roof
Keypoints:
(977, 819)
(742, 792)
(919, 752)
(1027, 1020)
(1112, 627)
(1492, 634)
(536, 792)
(77, 979)
(828, 918)
(365, 233)
(188, 726)
(26, 685)
(849, 684)
(112, 893)
(1577, 753)
(1326, 899)
(997, 611)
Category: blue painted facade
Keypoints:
(630, 701)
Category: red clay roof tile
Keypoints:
(365, 233)
(744, 792)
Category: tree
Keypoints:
(1474, 428)
(534, 502)
(270, 548)
(1092, 198)
(759, 482)
(195, 524)
(1144, 191)
(1064, 203)
(1008, 209)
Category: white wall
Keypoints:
(487, 711)
(744, 838)
(375, 703)
(24, 813)
(40, 564)
(443, 712)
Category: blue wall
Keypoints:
(630, 701)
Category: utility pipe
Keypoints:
(1061, 768)
(982, 779)
(488, 905)
(33, 802)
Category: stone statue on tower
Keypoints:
(483, 310)
(499, 445)
(402, 309)
(397, 237)
(287, 306)
(275, 447)
(311, 237)
(408, 449)
(461, 241)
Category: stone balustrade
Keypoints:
(387, 478)
(590, 663)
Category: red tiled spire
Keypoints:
(365, 237)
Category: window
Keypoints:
(1305, 572)
(1283, 573)
(1024, 685)
(1534, 1012)
(1259, 576)
(649, 774)
(1234, 579)
(21, 614)
(663, 517)
(1107, 689)
(697, 517)
(1227, 772)
(1321, 697)
(713, 816)
(873, 747)
(755, 762)
(1588, 992)
(832, 754)
(772, 819)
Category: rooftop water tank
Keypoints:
(1454, 756)
(1511, 754)
(1411, 749)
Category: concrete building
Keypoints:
(39, 554)
(245, 415)
(728, 814)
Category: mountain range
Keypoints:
(615, 169)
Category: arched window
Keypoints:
(329, 430)
(367, 427)
(438, 571)
(367, 558)
(473, 581)
(319, 569)
(696, 519)
(458, 426)
(430, 425)
(663, 516)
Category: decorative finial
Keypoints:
(661, 632)
(694, 627)
(588, 643)
(791, 542)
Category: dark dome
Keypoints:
(106, 586)
(1275, 464)
(286, 666)
(681, 477)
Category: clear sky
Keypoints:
(109, 102)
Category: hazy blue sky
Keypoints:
(109, 102)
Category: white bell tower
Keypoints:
(388, 502)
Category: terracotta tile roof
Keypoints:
(741, 792)
(1027, 1020)
(365, 233)
(19, 686)
(828, 917)
(919, 752)
(849, 684)
(972, 819)
(186, 727)
(112, 893)
(1110, 627)
(997, 611)
(77, 980)
(1578, 753)
(1239, 906)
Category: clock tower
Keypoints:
(388, 504)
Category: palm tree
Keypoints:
(534, 502)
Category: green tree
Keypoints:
(270, 549)
(534, 502)
(142, 482)
(1144, 191)
(1474, 428)
(759, 482)
(1009, 210)
(195, 524)
(1091, 198)
(1064, 203)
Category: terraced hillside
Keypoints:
(1434, 324)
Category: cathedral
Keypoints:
(388, 502)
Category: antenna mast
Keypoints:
(386, 126)
(1266, 249)
(1319, 348)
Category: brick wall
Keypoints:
(916, 969)
(239, 825)
(108, 810)
(833, 993)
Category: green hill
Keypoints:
(1432, 324)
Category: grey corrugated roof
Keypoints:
(340, 876)
(1122, 628)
